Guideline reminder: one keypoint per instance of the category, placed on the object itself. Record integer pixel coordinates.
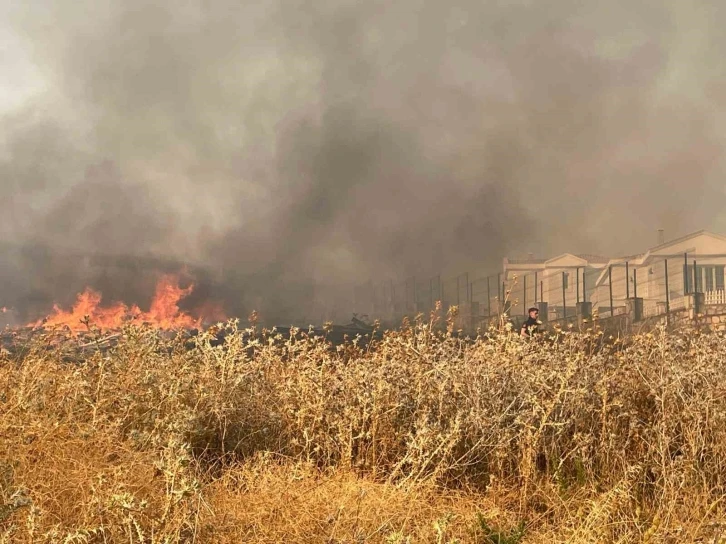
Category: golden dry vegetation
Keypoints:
(419, 437)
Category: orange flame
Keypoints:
(163, 313)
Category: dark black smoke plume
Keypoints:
(294, 149)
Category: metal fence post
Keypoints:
(577, 281)
(685, 274)
(506, 305)
(500, 292)
(564, 296)
(635, 282)
(695, 288)
(610, 282)
(524, 294)
(489, 297)
(695, 277)
(668, 298)
(627, 281)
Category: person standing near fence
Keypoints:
(531, 326)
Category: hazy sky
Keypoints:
(310, 142)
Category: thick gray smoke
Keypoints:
(288, 146)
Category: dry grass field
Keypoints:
(421, 437)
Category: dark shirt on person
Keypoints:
(530, 327)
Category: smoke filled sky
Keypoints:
(337, 141)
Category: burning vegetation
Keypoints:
(164, 311)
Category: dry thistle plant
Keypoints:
(421, 436)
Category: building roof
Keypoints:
(686, 237)
(633, 257)
(643, 258)
(593, 258)
(526, 261)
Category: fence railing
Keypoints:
(664, 283)
(715, 297)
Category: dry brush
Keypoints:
(421, 436)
